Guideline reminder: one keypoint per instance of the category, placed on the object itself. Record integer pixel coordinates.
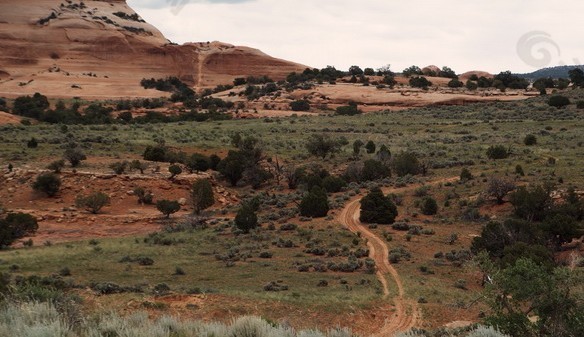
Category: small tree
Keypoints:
(246, 218)
(56, 166)
(145, 197)
(174, 171)
(357, 147)
(198, 162)
(315, 203)
(465, 175)
(322, 146)
(333, 184)
(32, 143)
(300, 105)
(138, 165)
(232, 167)
(202, 195)
(559, 101)
(16, 225)
(420, 82)
(373, 170)
(93, 202)
(168, 207)
(429, 206)
(405, 163)
(498, 188)
(119, 167)
(530, 140)
(498, 152)
(48, 183)
(348, 110)
(370, 147)
(74, 155)
(377, 208)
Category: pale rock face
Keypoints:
(103, 49)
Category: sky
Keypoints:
(488, 35)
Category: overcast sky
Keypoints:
(462, 34)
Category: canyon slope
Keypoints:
(102, 49)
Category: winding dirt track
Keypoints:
(407, 312)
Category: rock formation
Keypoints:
(69, 48)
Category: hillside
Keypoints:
(553, 72)
(99, 49)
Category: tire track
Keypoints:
(407, 313)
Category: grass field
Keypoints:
(217, 261)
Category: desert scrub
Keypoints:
(43, 319)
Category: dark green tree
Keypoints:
(377, 208)
(530, 140)
(357, 148)
(321, 146)
(167, 207)
(373, 170)
(93, 202)
(174, 171)
(232, 167)
(74, 155)
(48, 183)
(246, 218)
(202, 195)
(370, 147)
(559, 101)
(15, 226)
(333, 184)
(577, 77)
(198, 162)
(315, 203)
(465, 175)
(405, 163)
(498, 152)
(429, 206)
(300, 105)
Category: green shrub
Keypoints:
(202, 195)
(530, 140)
(300, 105)
(315, 203)
(144, 197)
(465, 175)
(498, 152)
(56, 166)
(93, 202)
(48, 183)
(333, 184)
(15, 226)
(429, 206)
(377, 208)
(559, 101)
(348, 110)
(168, 207)
(119, 167)
(246, 218)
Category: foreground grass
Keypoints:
(190, 265)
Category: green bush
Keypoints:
(377, 208)
(246, 218)
(119, 167)
(93, 202)
(48, 183)
(530, 140)
(202, 195)
(559, 101)
(498, 152)
(315, 203)
(465, 175)
(429, 206)
(348, 110)
(15, 226)
(405, 163)
(300, 105)
(167, 207)
(333, 184)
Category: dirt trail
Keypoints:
(406, 313)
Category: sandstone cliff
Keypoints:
(97, 49)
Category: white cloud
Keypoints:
(464, 35)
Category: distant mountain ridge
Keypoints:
(553, 72)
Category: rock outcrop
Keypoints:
(103, 49)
